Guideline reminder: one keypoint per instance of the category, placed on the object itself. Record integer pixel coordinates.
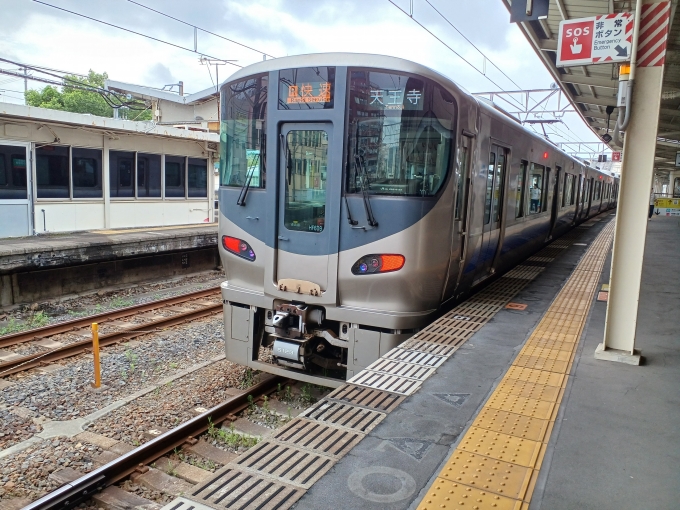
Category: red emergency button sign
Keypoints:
(576, 42)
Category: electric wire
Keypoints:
(202, 29)
(472, 44)
(133, 32)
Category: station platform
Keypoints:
(53, 265)
(522, 416)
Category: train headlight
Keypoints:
(371, 264)
(238, 247)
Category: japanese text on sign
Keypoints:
(606, 38)
(396, 99)
(305, 93)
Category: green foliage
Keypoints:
(120, 302)
(37, 320)
(72, 99)
(230, 437)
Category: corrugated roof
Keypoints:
(592, 88)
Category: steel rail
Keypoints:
(37, 359)
(74, 493)
(66, 326)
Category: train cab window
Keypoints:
(243, 132)
(13, 172)
(307, 88)
(87, 173)
(400, 137)
(174, 176)
(52, 171)
(306, 174)
(536, 178)
(520, 192)
(148, 175)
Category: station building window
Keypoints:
(121, 174)
(174, 177)
(148, 175)
(52, 171)
(243, 132)
(134, 174)
(13, 173)
(87, 173)
(197, 178)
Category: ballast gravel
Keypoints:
(26, 474)
(14, 429)
(66, 393)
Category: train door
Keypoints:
(304, 223)
(493, 209)
(15, 192)
(461, 212)
(555, 201)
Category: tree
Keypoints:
(73, 98)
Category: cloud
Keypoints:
(159, 75)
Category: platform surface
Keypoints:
(613, 442)
(53, 250)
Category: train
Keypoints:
(361, 195)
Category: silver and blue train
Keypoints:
(362, 194)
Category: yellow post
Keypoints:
(95, 354)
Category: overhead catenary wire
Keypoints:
(133, 32)
(202, 29)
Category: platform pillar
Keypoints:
(631, 222)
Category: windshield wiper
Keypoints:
(246, 185)
(359, 165)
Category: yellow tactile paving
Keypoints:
(487, 474)
(526, 427)
(498, 459)
(529, 390)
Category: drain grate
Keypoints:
(290, 464)
(540, 259)
(233, 488)
(344, 415)
(388, 366)
(443, 339)
(367, 397)
(422, 346)
(185, 504)
(525, 272)
(415, 357)
(386, 382)
(319, 437)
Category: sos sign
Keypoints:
(575, 46)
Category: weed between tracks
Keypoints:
(230, 437)
(37, 320)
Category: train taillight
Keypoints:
(238, 247)
(372, 264)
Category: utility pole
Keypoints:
(25, 83)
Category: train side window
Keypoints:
(598, 190)
(536, 188)
(464, 162)
(520, 193)
(489, 187)
(564, 189)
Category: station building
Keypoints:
(65, 172)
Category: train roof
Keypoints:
(392, 64)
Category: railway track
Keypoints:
(119, 332)
(82, 489)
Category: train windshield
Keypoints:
(400, 134)
(242, 133)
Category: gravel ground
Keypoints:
(14, 429)
(26, 474)
(172, 404)
(126, 368)
(42, 314)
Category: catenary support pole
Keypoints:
(631, 223)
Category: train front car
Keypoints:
(337, 209)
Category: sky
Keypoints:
(36, 34)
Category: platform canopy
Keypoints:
(591, 88)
